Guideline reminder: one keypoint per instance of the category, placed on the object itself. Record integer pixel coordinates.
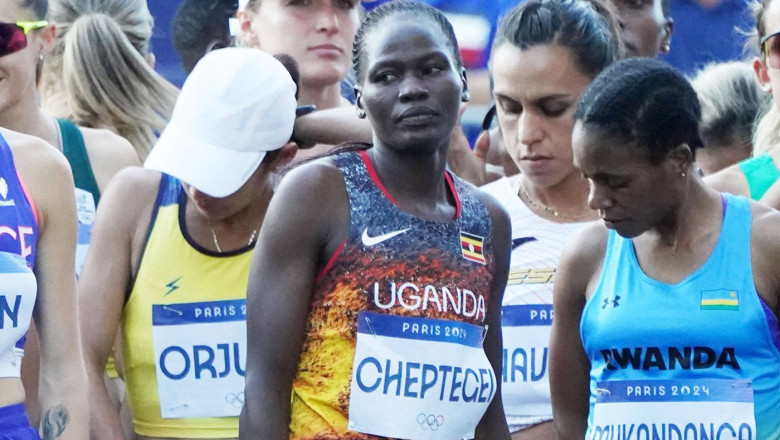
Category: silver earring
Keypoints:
(683, 173)
(466, 96)
(361, 113)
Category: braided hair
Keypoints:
(393, 8)
(588, 29)
(646, 101)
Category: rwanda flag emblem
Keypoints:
(471, 246)
(721, 299)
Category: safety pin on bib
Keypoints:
(178, 312)
(370, 327)
(484, 333)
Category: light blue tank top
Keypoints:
(683, 358)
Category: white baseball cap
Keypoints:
(235, 106)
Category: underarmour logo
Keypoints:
(172, 286)
(613, 301)
(371, 241)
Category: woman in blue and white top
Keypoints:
(665, 313)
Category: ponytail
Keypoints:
(98, 64)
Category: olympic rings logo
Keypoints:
(235, 400)
(430, 421)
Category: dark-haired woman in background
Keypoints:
(665, 313)
(545, 54)
(375, 293)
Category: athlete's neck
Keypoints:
(322, 97)
(25, 117)
(235, 231)
(416, 182)
(698, 212)
(569, 198)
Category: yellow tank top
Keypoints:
(184, 330)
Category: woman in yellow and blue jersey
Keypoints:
(172, 261)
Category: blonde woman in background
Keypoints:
(753, 177)
(730, 98)
(99, 72)
(318, 34)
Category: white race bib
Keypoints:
(85, 209)
(526, 334)
(419, 378)
(674, 410)
(200, 352)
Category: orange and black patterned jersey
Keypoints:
(393, 344)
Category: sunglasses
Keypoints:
(770, 45)
(13, 36)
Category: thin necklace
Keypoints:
(550, 211)
(250, 242)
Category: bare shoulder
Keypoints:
(583, 257)
(134, 186)
(126, 209)
(765, 253)
(26, 148)
(766, 223)
(772, 197)
(731, 180)
(108, 154)
(45, 170)
(317, 181)
(106, 143)
(498, 214)
(589, 242)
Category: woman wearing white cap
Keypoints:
(171, 256)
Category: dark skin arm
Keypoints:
(765, 254)
(310, 208)
(493, 424)
(575, 281)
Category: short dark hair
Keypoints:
(39, 7)
(588, 29)
(198, 25)
(390, 9)
(646, 101)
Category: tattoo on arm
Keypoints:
(54, 422)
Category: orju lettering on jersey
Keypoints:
(202, 361)
(671, 431)
(411, 296)
(418, 381)
(9, 313)
(670, 358)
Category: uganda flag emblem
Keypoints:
(721, 299)
(471, 246)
